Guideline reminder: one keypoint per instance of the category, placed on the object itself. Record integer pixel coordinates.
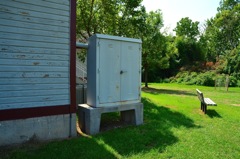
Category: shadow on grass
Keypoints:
(155, 133)
(166, 91)
(82, 147)
(213, 114)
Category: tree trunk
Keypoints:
(227, 82)
(146, 76)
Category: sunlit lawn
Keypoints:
(174, 127)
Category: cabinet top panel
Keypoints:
(103, 36)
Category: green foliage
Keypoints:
(206, 79)
(223, 31)
(165, 80)
(114, 17)
(129, 19)
(209, 78)
(152, 39)
(230, 64)
(233, 82)
(236, 77)
(191, 78)
(160, 58)
(189, 51)
(164, 55)
(189, 48)
(232, 61)
(187, 28)
(157, 48)
(227, 4)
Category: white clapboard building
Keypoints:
(37, 70)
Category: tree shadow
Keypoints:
(213, 114)
(155, 133)
(81, 147)
(167, 91)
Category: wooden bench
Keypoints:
(204, 101)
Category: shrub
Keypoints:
(166, 80)
(190, 78)
(206, 79)
(238, 83)
(233, 81)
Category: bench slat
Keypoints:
(208, 101)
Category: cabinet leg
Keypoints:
(134, 116)
(89, 119)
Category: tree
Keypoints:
(114, 17)
(132, 18)
(96, 16)
(187, 35)
(152, 42)
(129, 19)
(222, 34)
(230, 64)
(223, 30)
(227, 4)
(187, 28)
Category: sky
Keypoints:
(174, 10)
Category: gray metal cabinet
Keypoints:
(114, 71)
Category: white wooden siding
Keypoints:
(34, 53)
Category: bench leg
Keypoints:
(205, 109)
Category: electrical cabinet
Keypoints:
(113, 71)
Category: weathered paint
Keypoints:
(34, 53)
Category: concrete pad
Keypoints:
(90, 117)
(39, 128)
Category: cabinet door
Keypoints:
(109, 71)
(130, 71)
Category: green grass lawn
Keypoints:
(174, 127)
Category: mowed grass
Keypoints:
(174, 127)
